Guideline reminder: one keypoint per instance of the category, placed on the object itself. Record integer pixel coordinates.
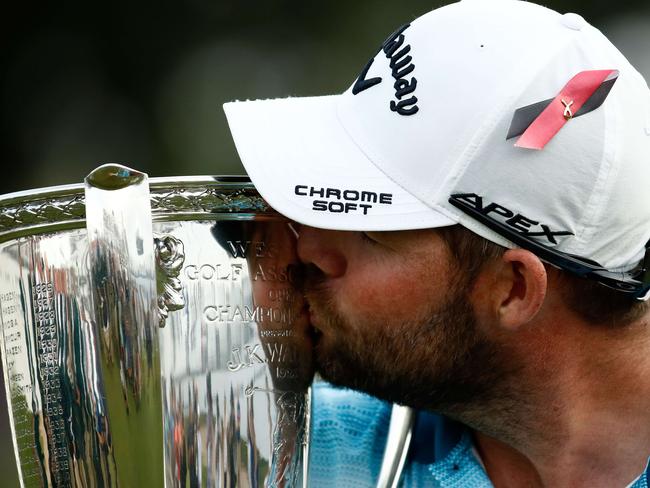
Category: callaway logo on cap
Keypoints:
(526, 126)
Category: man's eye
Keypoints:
(367, 238)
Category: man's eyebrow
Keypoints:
(401, 236)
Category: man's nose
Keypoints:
(323, 249)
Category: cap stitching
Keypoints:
(436, 208)
(600, 194)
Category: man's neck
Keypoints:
(506, 467)
(589, 428)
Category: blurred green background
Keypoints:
(82, 83)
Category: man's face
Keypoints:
(393, 318)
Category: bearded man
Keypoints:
(475, 231)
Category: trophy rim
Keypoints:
(156, 181)
(62, 207)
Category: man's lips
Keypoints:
(313, 318)
(314, 322)
(314, 332)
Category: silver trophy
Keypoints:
(153, 335)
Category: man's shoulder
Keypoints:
(341, 413)
(348, 438)
(344, 407)
(347, 421)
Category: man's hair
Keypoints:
(594, 303)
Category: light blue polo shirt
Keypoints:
(348, 437)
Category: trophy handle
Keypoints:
(126, 307)
(400, 432)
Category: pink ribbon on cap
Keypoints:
(572, 97)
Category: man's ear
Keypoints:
(519, 288)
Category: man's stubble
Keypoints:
(441, 361)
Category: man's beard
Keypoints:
(442, 363)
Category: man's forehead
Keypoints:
(412, 243)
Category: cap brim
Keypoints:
(295, 149)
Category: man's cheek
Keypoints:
(366, 305)
(391, 294)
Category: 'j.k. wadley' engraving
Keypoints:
(272, 352)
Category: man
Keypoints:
(475, 231)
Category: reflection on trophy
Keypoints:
(152, 334)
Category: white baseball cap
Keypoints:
(519, 123)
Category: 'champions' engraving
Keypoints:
(246, 314)
(336, 200)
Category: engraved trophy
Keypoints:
(152, 334)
